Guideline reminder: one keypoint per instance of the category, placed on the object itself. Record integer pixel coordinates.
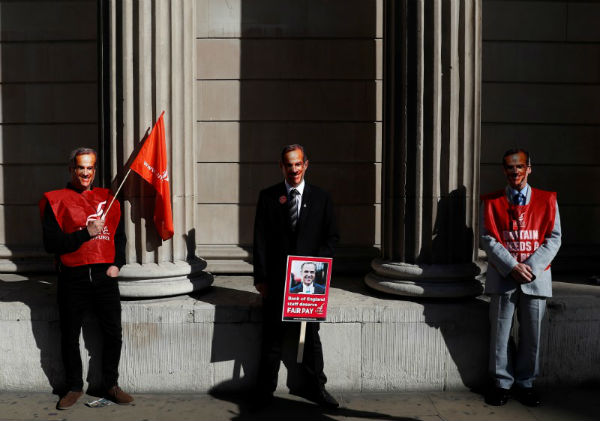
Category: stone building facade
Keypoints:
(405, 108)
(239, 79)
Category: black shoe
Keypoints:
(527, 396)
(496, 396)
(260, 401)
(324, 399)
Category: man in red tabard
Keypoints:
(520, 232)
(89, 246)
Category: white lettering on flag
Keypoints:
(162, 177)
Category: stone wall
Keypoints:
(48, 99)
(275, 72)
(210, 340)
(271, 72)
(541, 84)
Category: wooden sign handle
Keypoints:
(301, 342)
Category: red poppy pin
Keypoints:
(282, 199)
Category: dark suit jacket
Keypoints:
(316, 234)
(319, 289)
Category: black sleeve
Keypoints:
(259, 248)
(120, 241)
(55, 240)
(330, 233)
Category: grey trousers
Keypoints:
(509, 362)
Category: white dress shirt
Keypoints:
(308, 289)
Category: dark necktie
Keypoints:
(519, 199)
(294, 208)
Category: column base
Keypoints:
(25, 260)
(152, 280)
(435, 281)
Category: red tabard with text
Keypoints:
(520, 229)
(304, 306)
(73, 210)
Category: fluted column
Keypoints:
(431, 149)
(152, 69)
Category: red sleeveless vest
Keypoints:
(520, 229)
(73, 210)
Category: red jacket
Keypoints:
(73, 210)
(520, 229)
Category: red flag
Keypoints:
(151, 164)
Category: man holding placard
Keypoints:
(307, 283)
(292, 218)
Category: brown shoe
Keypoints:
(69, 399)
(117, 395)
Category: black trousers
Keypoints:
(274, 331)
(83, 289)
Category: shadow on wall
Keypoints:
(49, 82)
(39, 295)
(450, 352)
(233, 341)
(453, 239)
(238, 342)
(49, 107)
(308, 71)
(141, 197)
(458, 333)
(48, 97)
(453, 244)
(464, 326)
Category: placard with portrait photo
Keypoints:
(306, 288)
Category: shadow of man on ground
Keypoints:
(294, 409)
(38, 294)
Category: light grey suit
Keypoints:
(506, 296)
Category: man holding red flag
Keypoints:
(151, 164)
(89, 246)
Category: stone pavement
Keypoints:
(559, 405)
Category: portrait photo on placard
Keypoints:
(306, 290)
(308, 277)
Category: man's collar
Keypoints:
(309, 289)
(523, 191)
(300, 187)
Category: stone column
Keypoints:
(432, 82)
(152, 69)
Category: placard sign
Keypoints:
(306, 288)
